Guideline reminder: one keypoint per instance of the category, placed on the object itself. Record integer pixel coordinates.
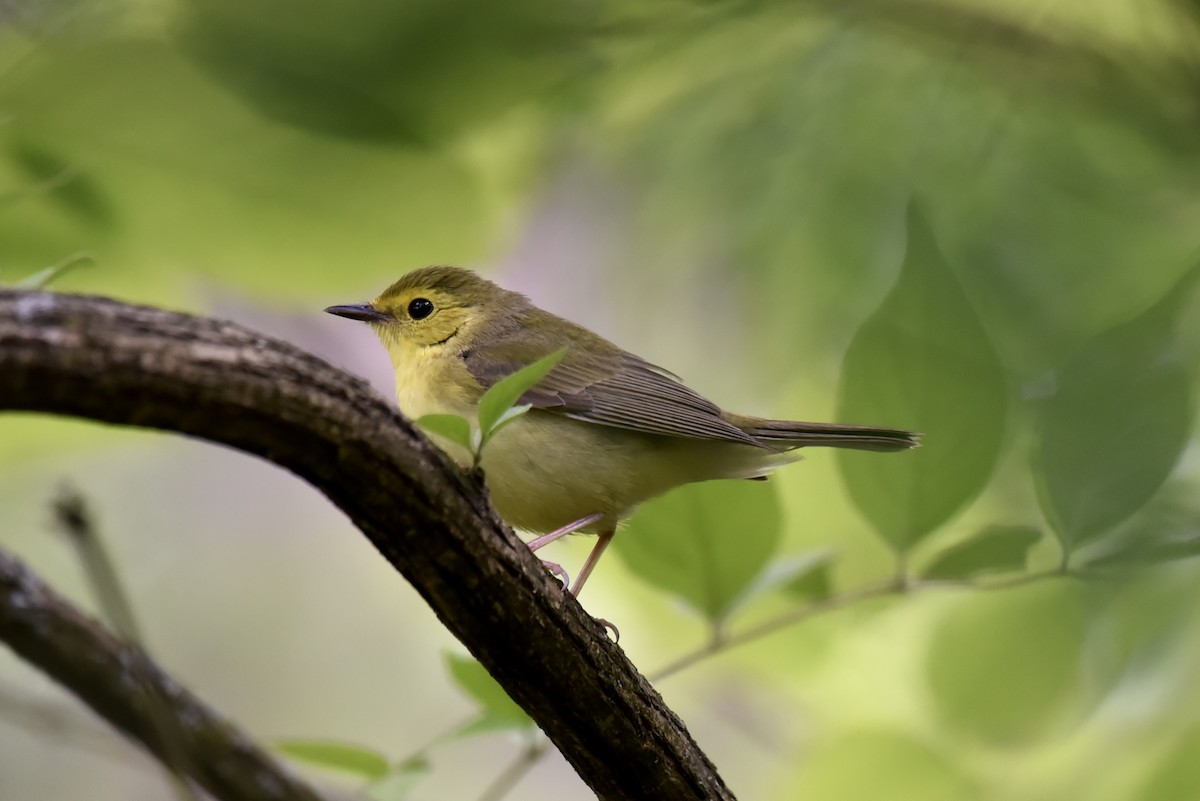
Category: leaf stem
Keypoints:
(449, 734)
(506, 781)
(898, 585)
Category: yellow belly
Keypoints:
(546, 470)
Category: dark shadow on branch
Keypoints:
(108, 361)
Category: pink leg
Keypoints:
(594, 557)
(559, 533)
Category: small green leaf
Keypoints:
(400, 782)
(507, 391)
(1117, 424)
(996, 549)
(1166, 531)
(805, 576)
(510, 414)
(498, 710)
(451, 426)
(1171, 550)
(814, 584)
(923, 361)
(354, 759)
(42, 278)
(489, 721)
(705, 543)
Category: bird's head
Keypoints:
(431, 306)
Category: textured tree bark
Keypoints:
(100, 359)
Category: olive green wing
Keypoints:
(599, 383)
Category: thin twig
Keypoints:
(791, 618)
(1019, 580)
(451, 733)
(506, 781)
(897, 586)
(75, 520)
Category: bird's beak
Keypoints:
(363, 312)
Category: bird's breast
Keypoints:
(433, 380)
(546, 470)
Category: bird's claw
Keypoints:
(557, 570)
(610, 627)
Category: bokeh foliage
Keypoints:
(973, 219)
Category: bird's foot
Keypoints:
(557, 571)
(616, 632)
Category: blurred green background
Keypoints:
(976, 219)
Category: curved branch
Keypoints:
(104, 360)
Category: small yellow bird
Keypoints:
(607, 430)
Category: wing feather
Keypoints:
(598, 382)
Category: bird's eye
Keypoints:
(420, 308)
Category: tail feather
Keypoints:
(788, 434)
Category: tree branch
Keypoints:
(108, 361)
(124, 686)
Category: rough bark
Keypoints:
(100, 359)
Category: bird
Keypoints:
(605, 431)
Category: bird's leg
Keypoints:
(559, 533)
(554, 567)
(597, 551)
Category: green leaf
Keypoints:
(1165, 531)
(507, 391)
(451, 426)
(354, 759)
(996, 549)
(1116, 425)
(44, 277)
(923, 361)
(498, 710)
(815, 583)
(512, 413)
(490, 721)
(1172, 550)
(805, 576)
(1005, 668)
(348, 74)
(705, 543)
(400, 782)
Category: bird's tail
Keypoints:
(787, 434)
